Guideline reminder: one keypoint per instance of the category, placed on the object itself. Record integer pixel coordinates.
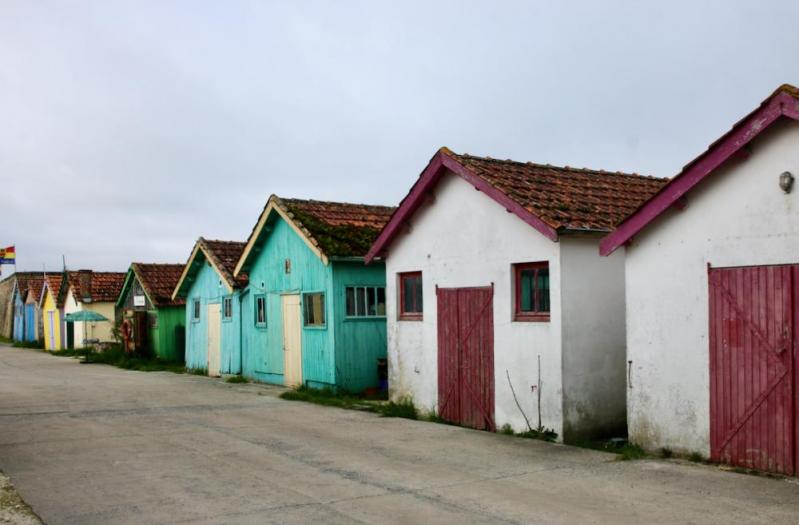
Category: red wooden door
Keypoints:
(753, 405)
(466, 356)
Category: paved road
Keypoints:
(96, 444)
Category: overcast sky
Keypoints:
(128, 129)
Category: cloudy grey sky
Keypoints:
(130, 128)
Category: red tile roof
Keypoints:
(225, 255)
(54, 285)
(553, 200)
(35, 285)
(30, 281)
(103, 286)
(159, 281)
(565, 198)
(339, 229)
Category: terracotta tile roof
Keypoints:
(159, 281)
(102, 286)
(225, 255)
(54, 285)
(35, 285)
(339, 229)
(565, 198)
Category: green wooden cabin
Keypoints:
(313, 314)
(157, 321)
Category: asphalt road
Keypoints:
(96, 444)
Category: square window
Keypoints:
(314, 309)
(260, 310)
(411, 302)
(366, 301)
(531, 285)
(195, 310)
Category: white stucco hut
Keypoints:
(712, 285)
(499, 307)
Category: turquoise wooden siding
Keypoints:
(360, 342)
(263, 347)
(210, 289)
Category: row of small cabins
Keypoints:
(508, 293)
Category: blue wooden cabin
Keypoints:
(212, 294)
(313, 314)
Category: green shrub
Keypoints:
(236, 379)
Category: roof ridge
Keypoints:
(551, 166)
(294, 199)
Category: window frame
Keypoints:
(535, 316)
(402, 314)
(305, 324)
(259, 324)
(373, 288)
(228, 299)
(196, 310)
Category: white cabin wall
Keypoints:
(594, 352)
(737, 217)
(465, 238)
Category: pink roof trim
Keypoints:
(438, 165)
(781, 103)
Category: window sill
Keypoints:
(261, 326)
(365, 318)
(531, 318)
(411, 317)
(314, 327)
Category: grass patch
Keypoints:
(405, 409)
(6, 340)
(343, 399)
(116, 356)
(236, 379)
(696, 457)
(666, 453)
(197, 371)
(35, 345)
(323, 396)
(631, 451)
(545, 434)
(625, 450)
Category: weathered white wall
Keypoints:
(593, 340)
(466, 239)
(737, 217)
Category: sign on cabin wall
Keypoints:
(138, 300)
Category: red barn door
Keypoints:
(466, 356)
(753, 345)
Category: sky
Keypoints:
(128, 129)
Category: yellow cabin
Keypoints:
(51, 312)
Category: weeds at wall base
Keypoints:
(115, 356)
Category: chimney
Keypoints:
(85, 283)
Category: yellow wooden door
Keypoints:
(292, 341)
(214, 347)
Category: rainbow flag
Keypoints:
(8, 255)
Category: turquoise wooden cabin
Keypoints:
(313, 314)
(212, 295)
